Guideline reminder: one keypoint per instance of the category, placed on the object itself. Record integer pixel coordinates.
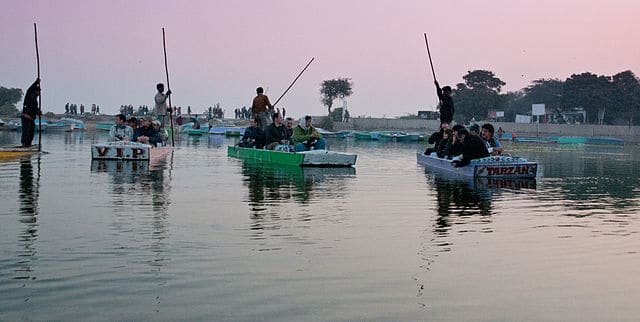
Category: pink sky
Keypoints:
(110, 52)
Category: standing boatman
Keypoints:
(30, 111)
(446, 103)
(259, 108)
(161, 108)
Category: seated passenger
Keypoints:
(305, 136)
(275, 133)
(120, 131)
(443, 145)
(162, 132)
(454, 146)
(493, 144)
(288, 125)
(145, 133)
(474, 129)
(472, 148)
(250, 135)
(436, 138)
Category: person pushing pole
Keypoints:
(444, 94)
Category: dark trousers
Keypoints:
(28, 131)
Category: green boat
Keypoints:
(232, 133)
(313, 158)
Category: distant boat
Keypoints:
(12, 152)
(222, 130)
(605, 141)
(104, 126)
(67, 125)
(363, 135)
(572, 140)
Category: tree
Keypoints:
(625, 98)
(479, 93)
(589, 91)
(334, 88)
(8, 99)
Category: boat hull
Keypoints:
(126, 150)
(7, 153)
(314, 158)
(489, 167)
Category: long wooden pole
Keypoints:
(166, 68)
(294, 81)
(429, 53)
(39, 114)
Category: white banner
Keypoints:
(523, 118)
(537, 109)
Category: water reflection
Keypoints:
(28, 199)
(140, 200)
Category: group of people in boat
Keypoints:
(280, 134)
(462, 144)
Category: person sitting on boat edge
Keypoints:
(435, 138)
(443, 145)
(162, 132)
(472, 148)
(305, 136)
(454, 146)
(250, 135)
(493, 144)
(120, 131)
(276, 134)
(146, 134)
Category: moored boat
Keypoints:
(127, 150)
(313, 158)
(222, 130)
(12, 152)
(359, 135)
(489, 167)
(67, 125)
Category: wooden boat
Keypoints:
(489, 167)
(313, 158)
(12, 152)
(127, 150)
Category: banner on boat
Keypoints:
(119, 152)
(507, 170)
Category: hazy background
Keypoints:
(110, 53)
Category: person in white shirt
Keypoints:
(161, 108)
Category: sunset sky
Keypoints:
(110, 52)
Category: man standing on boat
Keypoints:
(259, 108)
(30, 111)
(162, 108)
(446, 103)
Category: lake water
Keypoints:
(204, 237)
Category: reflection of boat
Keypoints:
(127, 150)
(317, 158)
(127, 167)
(12, 152)
(489, 167)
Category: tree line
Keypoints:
(611, 99)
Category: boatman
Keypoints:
(259, 108)
(162, 108)
(30, 111)
(446, 103)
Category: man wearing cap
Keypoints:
(305, 136)
(474, 129)
(446, 103)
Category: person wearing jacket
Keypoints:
(30, 111)
(305, 136)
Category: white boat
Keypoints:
(313, 158)
(489, 167)
(127, 150)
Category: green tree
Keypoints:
(589, 91)
(625, 97)
(8, 99)
(479, 93)
(334, 88)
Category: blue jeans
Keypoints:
(320, 144)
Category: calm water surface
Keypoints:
(206, 237)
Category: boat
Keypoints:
(313, 158)
(601, 140)
(363, 135)
(505, 136)
(1, 122)
(197, 132)
(67, 125)
(127, 150)
(185, 128)
(104, 126)
(571, 140)
(12, 152)
(536, 139)
(489, 167)
(222, 130)
(234, 133)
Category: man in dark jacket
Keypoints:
(30, 111)
(472, 148)
(446, 103)
(276, 133)
(146, 133)
(250, 135)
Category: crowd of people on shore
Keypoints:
(72, 109)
